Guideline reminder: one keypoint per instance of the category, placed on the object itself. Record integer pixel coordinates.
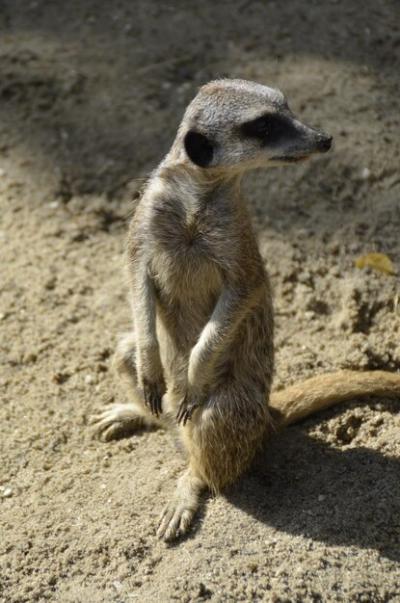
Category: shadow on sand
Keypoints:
(303, 486)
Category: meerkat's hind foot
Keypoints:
(177, 517)
(117, 421)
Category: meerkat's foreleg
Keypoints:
(232, 306)
(148, 362)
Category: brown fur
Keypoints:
(318, 393)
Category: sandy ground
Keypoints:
(90, 96)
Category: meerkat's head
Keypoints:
(239, 125)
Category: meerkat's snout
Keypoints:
(301, 142)
(325, 142)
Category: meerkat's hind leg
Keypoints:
(124, 360)
(177, 516)
(121, 420)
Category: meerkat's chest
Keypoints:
(187, 251)
(189, 236)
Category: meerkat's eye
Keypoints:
(268, 128)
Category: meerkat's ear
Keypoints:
(199, 148)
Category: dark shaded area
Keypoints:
(303, 486)
(104, 121)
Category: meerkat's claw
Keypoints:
(181, 415)
(153, 398)
(175, 521)
(116, 420)
(186, 410)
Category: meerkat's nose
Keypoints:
(324, 143)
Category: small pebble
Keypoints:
(365, 173)
(117, 585)
(7, 493)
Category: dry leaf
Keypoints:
(377, 261)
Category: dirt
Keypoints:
(90, 96)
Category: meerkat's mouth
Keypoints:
(291, 159)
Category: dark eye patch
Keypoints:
(268, 129)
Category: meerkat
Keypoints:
(200, 356)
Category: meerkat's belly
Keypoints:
(187, 292)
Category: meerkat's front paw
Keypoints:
(115, 421)
(175, 520)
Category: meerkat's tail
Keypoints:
(298, 401)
